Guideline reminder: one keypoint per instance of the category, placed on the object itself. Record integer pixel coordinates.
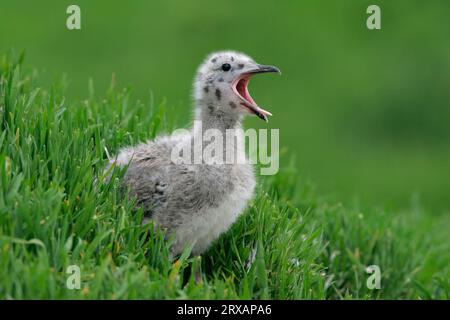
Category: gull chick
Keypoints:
(196, 202)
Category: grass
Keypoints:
(291, 243)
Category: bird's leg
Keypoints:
(196, 269)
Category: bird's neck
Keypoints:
(212, 122)
(212, 117)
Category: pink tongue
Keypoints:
(249, 98)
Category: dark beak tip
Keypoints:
(273, 69)
(266, 69)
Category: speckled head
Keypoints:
(222, 80)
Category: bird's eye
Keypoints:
(226, 67)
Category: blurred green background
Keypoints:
(366, 113)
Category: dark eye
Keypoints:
(226, 67)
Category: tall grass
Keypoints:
(289, 244)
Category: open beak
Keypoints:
(240, 88)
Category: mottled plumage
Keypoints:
(197, 202)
